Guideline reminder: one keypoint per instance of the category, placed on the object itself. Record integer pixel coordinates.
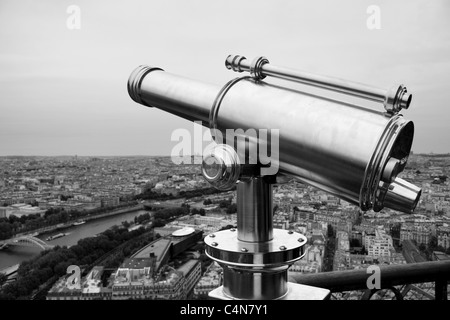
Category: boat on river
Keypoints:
(56, 236)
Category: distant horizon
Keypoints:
(64, 75)
(162, 156)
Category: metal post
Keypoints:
(440, 288)
(256, 257)
(254, 210)
(255, 226)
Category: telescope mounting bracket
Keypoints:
(255, 257)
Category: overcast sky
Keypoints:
(63, 91)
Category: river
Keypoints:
(17, 254)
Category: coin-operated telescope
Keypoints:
(339, 146)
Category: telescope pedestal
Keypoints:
(255, 257)
(295, 292)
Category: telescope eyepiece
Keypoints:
(221, 167)
(135, 81)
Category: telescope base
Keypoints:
(295, 292)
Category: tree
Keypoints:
(143, 217)
(422, 247)
(275, 208)
(224, 204)
(207, 202)
(126, 224)
(158, 223)
(355, 243)
(3, 278)
(44, 274)
(64, 216)
(202, 212)
(5, 230)
(65, 198)
(432, 244)
(330, 231)
(232, 208)
(317, 206)
(6, 296)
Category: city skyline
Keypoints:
(63, 89)
(53, 203)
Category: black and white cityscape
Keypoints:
(135, 226)
(142, 157)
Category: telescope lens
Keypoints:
(212, 167)
(402, 196)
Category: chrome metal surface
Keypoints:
(340, 148)
(186, 98)
(391, 170)
(393, 100)
(255, 259)
(254, 284)
(221, 167)
(391, 275)
(135, 81)
(256, 254)
(254, 210)
(337, 147)
(402, 196)
(295, 291)
(215, 108)
(345, 149)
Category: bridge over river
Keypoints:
(25, 241)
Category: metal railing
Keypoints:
(390, 277)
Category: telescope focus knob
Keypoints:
(221, 167)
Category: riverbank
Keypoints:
(70, 223)
(91, 228)
(112, 213)
(10, 270)
(10, 273)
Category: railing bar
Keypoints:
(391, 275)
(422, 291)
(441, 289)
(406, 289)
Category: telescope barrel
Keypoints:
(186, 98)
(344, 149)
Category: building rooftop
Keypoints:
(185, 268)
(93, 282)
(158, 247)
(183, 232)
(438, 255)
(61, 287)
(90, 284)
(136, 263)
(125, 276)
